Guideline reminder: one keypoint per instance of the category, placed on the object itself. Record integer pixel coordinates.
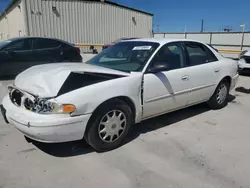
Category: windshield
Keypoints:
(4, 43)
(125, 56)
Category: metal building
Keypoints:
(77, 21)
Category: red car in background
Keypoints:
(116, 41)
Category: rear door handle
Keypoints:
(185, 78)
(217, 70)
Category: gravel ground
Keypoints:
(194, 147)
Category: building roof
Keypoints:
(13, 2)
(127, 7)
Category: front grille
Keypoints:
(16, 97)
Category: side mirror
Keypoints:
(159, 67)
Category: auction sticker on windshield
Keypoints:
(142, 47)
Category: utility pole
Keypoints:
(243, 34)
(227, 28)
(202, 25)
(185, 32)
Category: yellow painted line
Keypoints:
(230, 51)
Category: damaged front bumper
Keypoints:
(49, 128)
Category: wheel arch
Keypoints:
(227, 79)
(125, 99)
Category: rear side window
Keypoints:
(199, 54)
(46, 43)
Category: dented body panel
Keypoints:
(87, 99)
(46, 80)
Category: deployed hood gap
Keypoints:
(78, 80)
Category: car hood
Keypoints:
(46, 80)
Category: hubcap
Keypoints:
(112, 126)
(221, 94)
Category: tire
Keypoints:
(218, 101)
(98, 128)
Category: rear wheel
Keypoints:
(220, 96)
(109, 126)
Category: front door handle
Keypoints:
(185, 78)
(217, 70)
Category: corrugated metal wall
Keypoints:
(85, 22)
(12, 25)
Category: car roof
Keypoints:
(59, 40)
(129, 38)
(163, 40)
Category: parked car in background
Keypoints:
(18, 54)
(116, 41)
(127, 83)
(244, 62)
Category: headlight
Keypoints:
(45, 106)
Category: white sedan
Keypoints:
(125, 84)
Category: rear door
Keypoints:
(17, 56)
(204, 70)
(47, 50)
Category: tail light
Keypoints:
(78, 50)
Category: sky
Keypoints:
(175, 15)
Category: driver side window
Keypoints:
(170, 54)
(20, 45)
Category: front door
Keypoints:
(5, 61)
(167, 90)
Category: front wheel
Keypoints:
(109, 126)
(220, 96)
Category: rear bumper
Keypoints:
(45, 128)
